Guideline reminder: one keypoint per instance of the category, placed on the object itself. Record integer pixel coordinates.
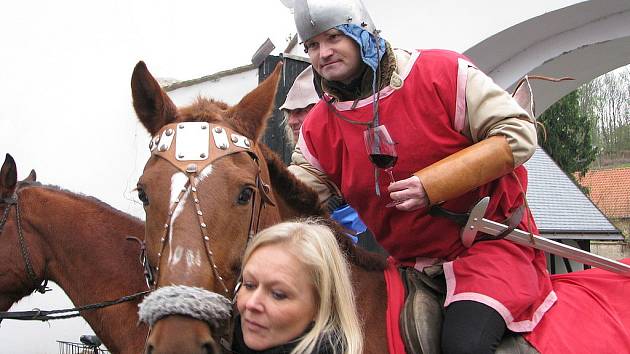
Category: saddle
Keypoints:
(423, 311)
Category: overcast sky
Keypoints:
(65, 67)
(64, 40)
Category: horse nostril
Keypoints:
(149, 349)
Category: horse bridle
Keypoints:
(42, 286)
(210, 142)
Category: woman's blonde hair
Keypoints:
(315, 246)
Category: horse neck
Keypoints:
(286, 211)
(370, 293)
(293, 198)
(87, 254)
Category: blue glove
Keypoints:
(348, 218)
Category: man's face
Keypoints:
(295, 120)
(335, 56)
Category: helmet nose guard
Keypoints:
(313, 17)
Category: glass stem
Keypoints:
(390, 174)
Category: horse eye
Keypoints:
(245, 196)
(143, 196)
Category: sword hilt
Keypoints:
(470, 230)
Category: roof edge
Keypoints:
(582, 235)
(212, 77)
(295, 57)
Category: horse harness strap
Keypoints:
(192, 153)
(40, 287)
(144, 261)
(9, 201)
(47, 315)
(193, 150)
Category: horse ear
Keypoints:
(153, 106)
(250, 115)
(8, 177)
(32, 177)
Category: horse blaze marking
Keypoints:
(193, 258)
(178, 181)
(177, 256)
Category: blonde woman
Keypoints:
(296, 295)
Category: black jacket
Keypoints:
(239, 347)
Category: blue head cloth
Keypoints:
(367, 44)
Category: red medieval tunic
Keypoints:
(420, 117)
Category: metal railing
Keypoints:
(79, 348)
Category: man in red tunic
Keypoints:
(459, 138)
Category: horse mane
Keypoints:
(305, 201)
(203, 110)
(79, 196)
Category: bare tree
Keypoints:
(607, 99)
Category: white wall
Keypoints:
(229, 89)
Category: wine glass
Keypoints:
(381, 150)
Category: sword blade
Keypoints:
(524, 238)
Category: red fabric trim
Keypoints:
(395, 302)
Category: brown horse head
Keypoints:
(204, 191)
(23, 265)
(14, 284)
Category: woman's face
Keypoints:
(277, 298)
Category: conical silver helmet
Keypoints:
(313, 17)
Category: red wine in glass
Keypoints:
(383, 161)
(381, 150)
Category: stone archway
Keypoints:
(582, 41)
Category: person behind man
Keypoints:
(301, 97)
(282, 310)
(459, 138)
